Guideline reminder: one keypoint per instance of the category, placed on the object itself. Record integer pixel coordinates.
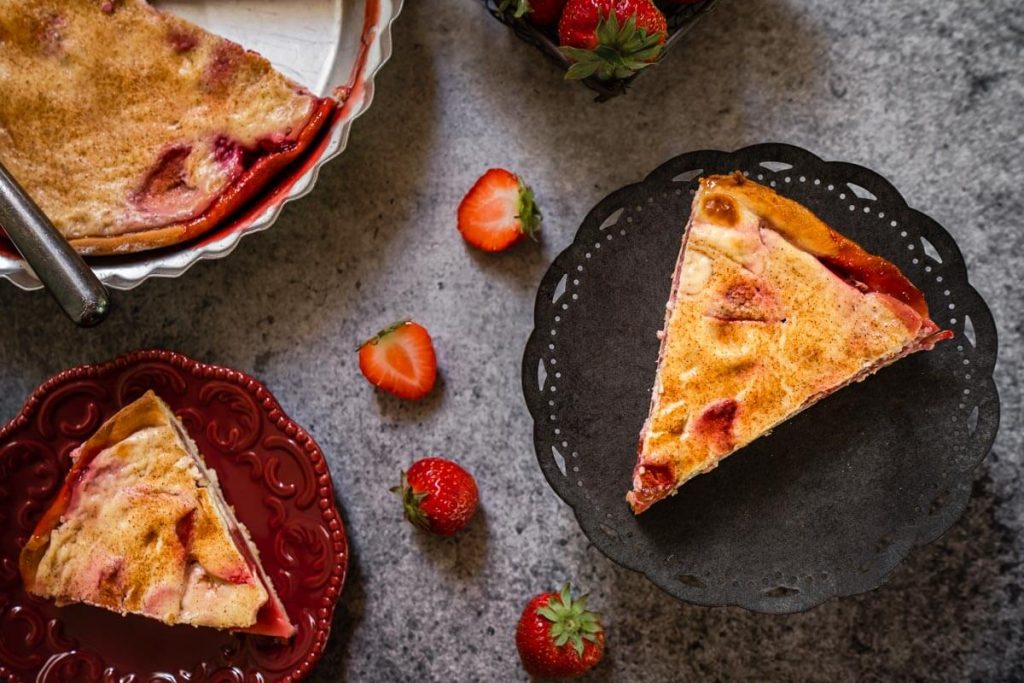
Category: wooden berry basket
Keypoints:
(680, 18)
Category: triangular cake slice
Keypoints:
(140, 526)
(770, 311)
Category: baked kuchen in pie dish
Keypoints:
(135, 129)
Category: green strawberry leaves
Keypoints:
(375, 339)
(527, 211)
(622, 50)
(522, 8)
(411, 503)
(571, 622)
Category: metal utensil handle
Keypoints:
(67, 277)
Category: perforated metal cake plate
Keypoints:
(830, 502)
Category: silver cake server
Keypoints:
(64, 273)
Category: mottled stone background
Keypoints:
(930, 93)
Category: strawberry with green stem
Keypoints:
(438, 495)
(611, 39)
(498, 211)
(557, 637)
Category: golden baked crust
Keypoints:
(134, 129)
(770, 311)
(140, 526)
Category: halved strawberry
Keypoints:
(400, 360)
(498, 211)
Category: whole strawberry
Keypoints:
(438, 495)
(537, 12)
(557, 637)
(611, 38)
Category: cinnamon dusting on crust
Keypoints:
(94, 93)
(139, 531)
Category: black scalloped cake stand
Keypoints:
(831, 501)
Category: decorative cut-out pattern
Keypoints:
(789, 496)
(272, 473)
(612, 219)
(687, 176)
(559, 460)
(861, 193)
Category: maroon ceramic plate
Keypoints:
(270, 470)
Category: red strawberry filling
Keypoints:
(170, 192)
(870, 273)
(167, 193)
(651, 483)
(874, 274)
(224, 62)
(182, 41)
(271, 619)
(50, 34)
(715, 425)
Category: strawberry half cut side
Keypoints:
(498, 211)
(400, 360)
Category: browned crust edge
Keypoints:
(804, 229)
(145, 412)
(223, 207)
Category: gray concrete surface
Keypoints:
(930, 93)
